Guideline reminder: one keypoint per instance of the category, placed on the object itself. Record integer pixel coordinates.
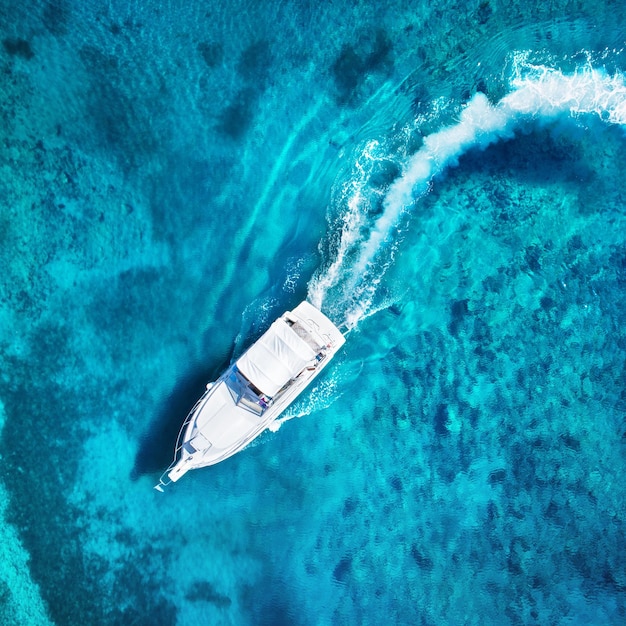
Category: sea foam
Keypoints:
(347, 285)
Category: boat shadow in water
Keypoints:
(156, 448)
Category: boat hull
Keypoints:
(301, 344)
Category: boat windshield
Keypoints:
(245, 394)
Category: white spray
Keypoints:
(537, 92)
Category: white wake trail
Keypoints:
(537, 92)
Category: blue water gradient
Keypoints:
(442, 178)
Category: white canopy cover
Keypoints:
(277, 357)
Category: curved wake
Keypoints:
(347, 285)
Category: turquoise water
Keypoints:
(445, 179)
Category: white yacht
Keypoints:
(252, 393)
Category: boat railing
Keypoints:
(179, 439)
(164, 480)
(314, 323)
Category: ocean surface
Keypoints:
(445, 180)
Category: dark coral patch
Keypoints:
(55, 16)
(423, 561)
(496, 477)
(532, 258)
(204, 591)
(441, 420)
(236, 117)
(18, 48)
(371, 53)
(342, 569)
(484, 12)
(255, 62)
(396, 483)
(212, 53)
(459, 310)
(254, 67)
(570, 442)
(349, 507)
(347, 71)
(122, 124)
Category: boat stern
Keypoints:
(315, 319)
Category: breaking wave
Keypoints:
(347, 285)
